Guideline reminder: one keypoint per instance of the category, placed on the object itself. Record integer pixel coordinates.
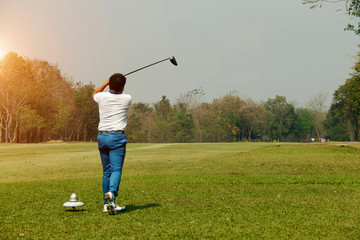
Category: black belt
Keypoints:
(116, 131)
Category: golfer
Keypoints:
(113, 107)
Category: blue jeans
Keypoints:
(112, 147)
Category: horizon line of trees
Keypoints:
(38, 103)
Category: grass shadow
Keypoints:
(132, 207)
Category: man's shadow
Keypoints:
(132, 207)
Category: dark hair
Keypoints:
(117, 82)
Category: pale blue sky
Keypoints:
(258, 48)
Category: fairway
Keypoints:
(183, 191)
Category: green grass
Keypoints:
(183, 191)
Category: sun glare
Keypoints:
(2, 53)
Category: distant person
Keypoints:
(113, 107)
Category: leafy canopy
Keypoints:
(352, 8)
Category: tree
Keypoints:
(141, 127)
(182, 125)
(346, 103)
(54, 99)
(193, 100)
(36, 100)
(204, 123)
(31, 125)
(163, 108)
(352, 9)
(85, 114)
(16, 86)
(227, 112)
(337, 128)
(281, 117)
(304, 124)
(163, 111)
(254, 119)
(317, 107)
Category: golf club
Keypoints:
(172, 60)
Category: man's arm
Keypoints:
(100, 89)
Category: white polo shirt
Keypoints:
(113, 109)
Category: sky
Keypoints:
(257, 48)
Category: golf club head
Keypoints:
(173, 60)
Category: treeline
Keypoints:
(38, 103)
(227, 119)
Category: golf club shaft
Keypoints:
(147, 66)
